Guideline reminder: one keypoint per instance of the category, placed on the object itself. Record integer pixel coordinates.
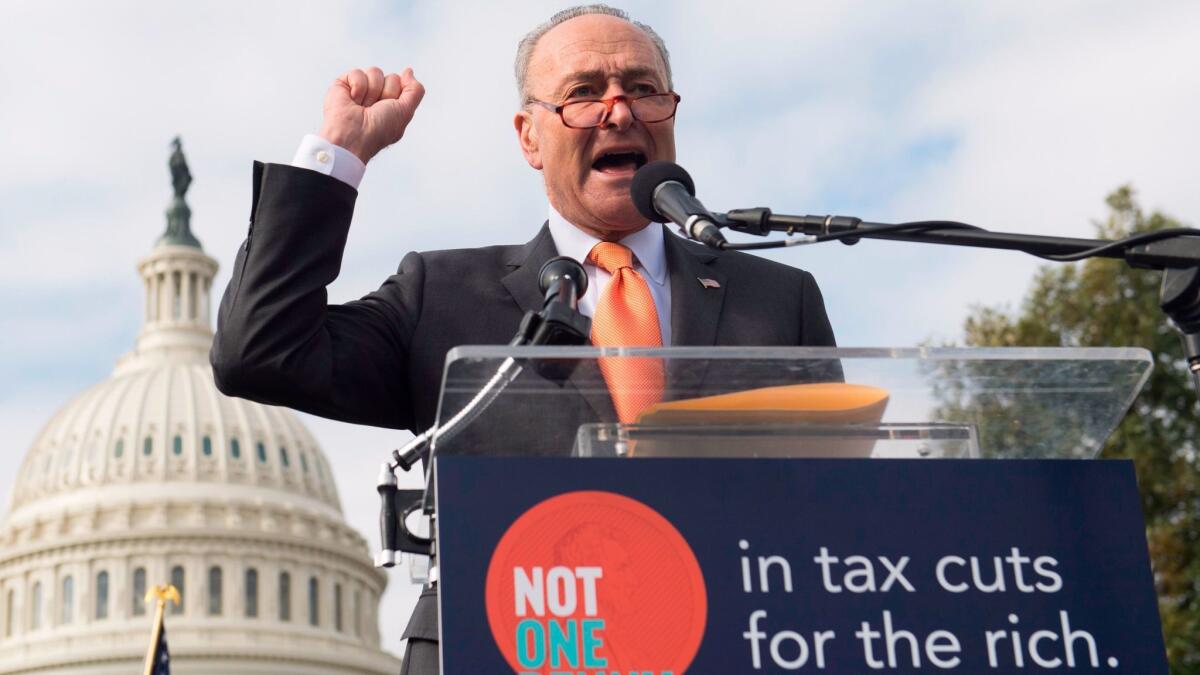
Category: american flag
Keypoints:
(158, 661)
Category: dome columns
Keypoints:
(176, 315)
(178, 283)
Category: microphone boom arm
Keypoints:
(1176, 252)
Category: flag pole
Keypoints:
(159, 594)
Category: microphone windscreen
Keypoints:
(646, 181)
(563, 266)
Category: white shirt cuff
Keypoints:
(320, 155)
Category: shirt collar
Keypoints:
(647, 245)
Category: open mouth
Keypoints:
(619, 162)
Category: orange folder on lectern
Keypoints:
(699, 426)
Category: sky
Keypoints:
(1014, 116)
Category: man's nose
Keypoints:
(620, 116)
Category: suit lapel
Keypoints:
(695, 312)
(695, 307)
(525, 262)
(522, 284)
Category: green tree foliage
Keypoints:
(1099, 303)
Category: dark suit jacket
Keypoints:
(379, 360)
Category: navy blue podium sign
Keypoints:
(590, 566)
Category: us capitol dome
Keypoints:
(152, 477)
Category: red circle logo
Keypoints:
(593, 580)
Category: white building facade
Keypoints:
(152, 477)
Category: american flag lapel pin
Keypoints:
(708, 283)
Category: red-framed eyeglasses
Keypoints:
(594, 112)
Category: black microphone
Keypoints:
(662, 191)
(562, 282)
(562, 279)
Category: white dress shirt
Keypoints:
(320, 155)
(649, 260)
(649, 254)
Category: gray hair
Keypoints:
(527, 44)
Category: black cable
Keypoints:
(755, 246)
(915, 226)
(1123, 244)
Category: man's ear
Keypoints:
(527, 136)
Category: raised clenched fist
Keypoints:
(365, 111)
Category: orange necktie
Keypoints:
(626, 317)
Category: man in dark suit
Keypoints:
(597, 104)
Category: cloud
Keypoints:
(1015, 117)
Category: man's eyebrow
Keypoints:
(594, 75)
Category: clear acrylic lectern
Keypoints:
(947, 403)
